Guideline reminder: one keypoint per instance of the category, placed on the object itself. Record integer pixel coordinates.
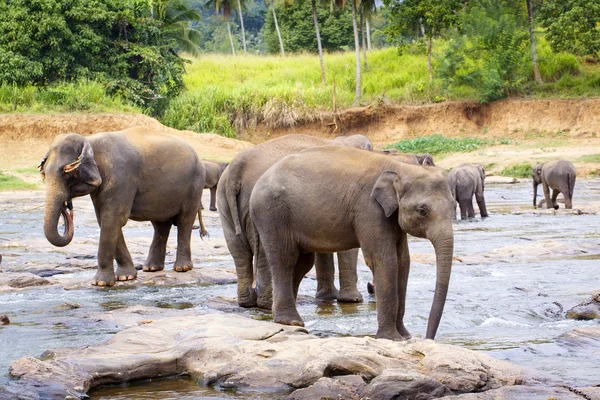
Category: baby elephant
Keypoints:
(213, 174)
(465, 181)
(558, 175)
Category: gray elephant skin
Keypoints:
(233, 198)
(213, 170)
(409, 158)
(364, 200)
(131, 174)
(558, 175)
(466, 181)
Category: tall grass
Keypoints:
(62, 97)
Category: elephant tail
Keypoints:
(232, 190)
(571, 186)
(256, 248)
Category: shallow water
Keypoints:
(502, 304)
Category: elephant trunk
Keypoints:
(444, 250)
(535, 186)
(55, 207)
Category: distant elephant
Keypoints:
(417, 159)
(131, 174)
(318, 200)
(558, 175)
(233, 198)
(213, 174)
(466, 181)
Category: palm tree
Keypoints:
(176, 20)
(242, 24)
(224, 7)
(272, 2)
(536, 69)
(356, 51)
(319, 46)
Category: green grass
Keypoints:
(86, 96)
(522, 170)
(438, 144)
(10, 182)
(591, 158)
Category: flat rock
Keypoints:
(586, 310)
(499, 180)
(19, 280)
(398, 384)
(331, 389)
(534, 393)
(583, 337)
(232, 351)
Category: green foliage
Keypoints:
(408, 17)
(438, 144)
(591, 158)
(10, 182)
(47, 41)
(572, 25)
(522, 170)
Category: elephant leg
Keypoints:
(303, 265)
(284, 302)
(264, 287)
(549, 204)
(125, 269)
(464, 208)
(347, 264)
(158, 248)
(481, 204)
(555, 193)
(566, 191)
(110, 227)
(213, 199)
(246, 294)
(470, 209)
(326, 289)
(185, 222)
(403, 271)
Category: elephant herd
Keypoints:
(285, 205)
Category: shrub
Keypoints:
(522, 170)
(438, 144)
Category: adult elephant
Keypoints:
(466, 181)
(131, 174)
(409, 158)
(558, 175)
(362, 200)
(214, 170)
(233, 199)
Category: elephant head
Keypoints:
(536, 174)
(425, 207)
(425, 159)
(357, 141)
(70, 171)
(481, 170)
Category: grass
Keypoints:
(521, 170)
(591, 158)
(10, 182)
(438, 144)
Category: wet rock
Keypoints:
(4, 320)
(331, 389)
(67, 305)
(239, 352)
(397, 384)
(500, 180)
(583, 337)
(526, 393)
(46, 273)
(586, 310)
(18, 280)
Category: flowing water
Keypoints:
(501, 302)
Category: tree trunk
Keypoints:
(242, 25)
(429, 67)
(536, 69)
(357, 52)
(230, 38)
(363, 38)
(368, 35)
(277, 28)
(316, 21)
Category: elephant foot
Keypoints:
(213, 208)
(153, 268)
(403, 332)
(370, 288)
(126, 273)
(349, 296)
(265, 302)
(104, 278)
(183, 268)
(390, 335)
(330, 293)
(289, 319)
(247, 298)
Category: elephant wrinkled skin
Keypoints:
(466, 181)
(364, 200)
(558, 175)
(237, 183)
(131, 174)
(214, 170)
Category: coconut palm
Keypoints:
(319, 46)
(536, 69)
(272, 3)
(239, 2)
(224, 8)
(356, 51)
(176, 19)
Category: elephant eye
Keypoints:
(423, 210)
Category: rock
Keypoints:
(499, 180)
(331, 389)
(4, 320)
(398, 384)
(527, 393)
(582, 337)
(233, 351)
(68, 305)
(18, 280)
(586, 310)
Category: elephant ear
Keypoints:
(385, 191)
(481, 170)
(40, 167)
(84, 167)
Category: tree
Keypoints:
(318, 35)
(239, 2)
(176, 19)
(430, 16)
(224, 8)
(272, 3)
(367, 7)
(536, 68)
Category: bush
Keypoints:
(438, 144)
(522, 170)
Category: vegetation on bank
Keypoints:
(521, 170)
(11, 182)
(438, 144)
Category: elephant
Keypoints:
(363, 200)
(237, 182)
(417, 159)
(558, 175)
(465, 181)
(133, 174)
(213, 174)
